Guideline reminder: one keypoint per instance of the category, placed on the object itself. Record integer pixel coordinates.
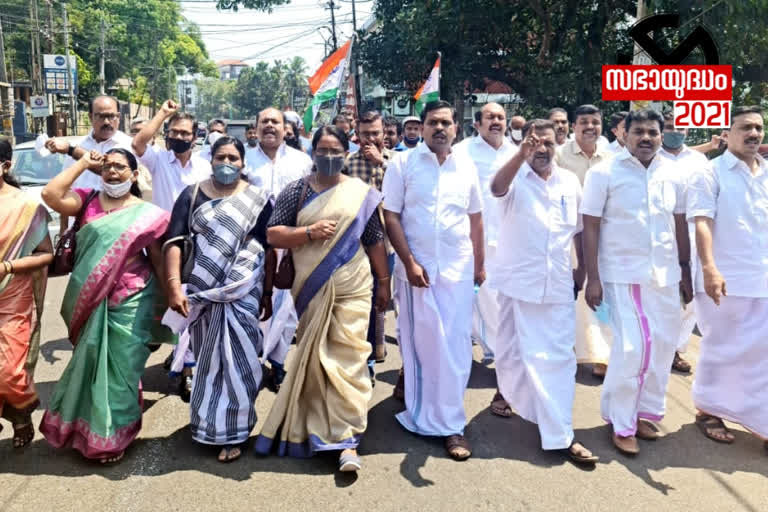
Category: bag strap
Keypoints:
(192, 207)
(304, 192)
(79, 218)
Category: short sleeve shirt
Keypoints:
(434, 202)
(289, 165)
(92, 180)
(570, 156)
(637, 228)
(169, 178)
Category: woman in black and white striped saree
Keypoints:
(229, 289)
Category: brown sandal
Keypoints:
(582, 457)
(23, 434)
(500, 407)
(709, 424)
(680, 365)
(399, 391)
(458, 447)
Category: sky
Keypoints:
(290, 30)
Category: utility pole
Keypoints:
(6, 98)
(332, 6)
(51, 37)
(354, 17)
(102, 56)
(3, 74)
(70, 84)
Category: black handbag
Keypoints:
(186, 242)
(64, 252)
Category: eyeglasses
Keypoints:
(109, 116)
(118, 167)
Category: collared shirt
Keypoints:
(434, 202)
(169, 178)
(289, 165)
(487, 160)
(400, 147)
(539, 219)
(89, 179)
(614, 147)
(571, 157)
(637, 229)
(357, 166)
(737, 201)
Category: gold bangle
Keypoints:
(173, 278)
(384, 278)
(5, 267)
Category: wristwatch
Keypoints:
(71, 150)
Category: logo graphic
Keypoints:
(701, 93)
(59, 60)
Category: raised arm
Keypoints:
(58, 192)
(145, 136)
(507, 172)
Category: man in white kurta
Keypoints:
(272, 165)
(433, 216)
(635, 207)
(729, 202)
(687, 161)
(535, 361)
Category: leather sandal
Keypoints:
(458, 447)
(575, 457)
(626, 445)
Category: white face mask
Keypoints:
(516, 134)
(116, 190)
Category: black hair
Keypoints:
(436, 105)
(748, 109)
(538, 125)
(100, 96)
(253, 125)
(332, 130)
(586, 110)
(6, 155)
(668, 115)
(369, 117)
(215, 122)
(392, 121)
(340, 117)
(617, 118)
(555, 110)
(226, 140)
(645, 114)
(270, 108)
(183, 116)
(132, 163)
(294, 141)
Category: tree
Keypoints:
(216, 99)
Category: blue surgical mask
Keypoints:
(410, 141)
(329, 165)
(226, 174)
(673, 140)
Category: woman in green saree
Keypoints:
(111, 307)
(335, 238)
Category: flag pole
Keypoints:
(439, 74)
(344, 77)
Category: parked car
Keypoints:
(34, 172)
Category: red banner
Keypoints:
(667, 83)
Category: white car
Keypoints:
(34, 172)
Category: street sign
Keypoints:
(55, 73)
(38, 106)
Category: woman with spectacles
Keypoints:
(111, 306)
(331, 224)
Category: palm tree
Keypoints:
(296, 78)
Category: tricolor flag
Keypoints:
(430, 91)
(324, 84)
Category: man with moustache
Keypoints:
(636, 255)
(489, 150)
(687, 162)
(593, 339)
(535, 361)
(516, 124)
(433, 217)
(728, 201)
(559, 117)
(272, 165)
(616, 125)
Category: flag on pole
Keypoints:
(324, 84)
(430, 91)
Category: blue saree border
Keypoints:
(303, 450)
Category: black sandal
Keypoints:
(568, 452)
(227, 450)
(23, 434)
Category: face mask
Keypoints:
(252, 142)
(116, 190)
(410, 141)
(329, 165)
(178, 146)
(226, 174)
(516, 134)
(673, 140)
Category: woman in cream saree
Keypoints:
(336, 238)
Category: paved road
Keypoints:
(165, 470)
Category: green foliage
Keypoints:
(259, 5)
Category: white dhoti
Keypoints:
(435, 326)
(593, 339)
(485, 312)
(646, 327)
(279, 329)
(732, 374)
(536, 366)
(687, 323)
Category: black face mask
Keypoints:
(178, 146)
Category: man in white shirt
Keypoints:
(635, 206)
(516, 124)
(616, 125)
(559, 117)
(272, 165)
(412, 128)
(433, 217)
(489, 150)
(593, 338)
(535, 361)
(729, 203)
(687, 162)
(216, 128)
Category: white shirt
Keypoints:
(615, 148)
(737, 201)
(169, 178)
(289, 165)
(538, 221)
(637, 229)
(92, 180)
(487, 160)
(434, 202)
